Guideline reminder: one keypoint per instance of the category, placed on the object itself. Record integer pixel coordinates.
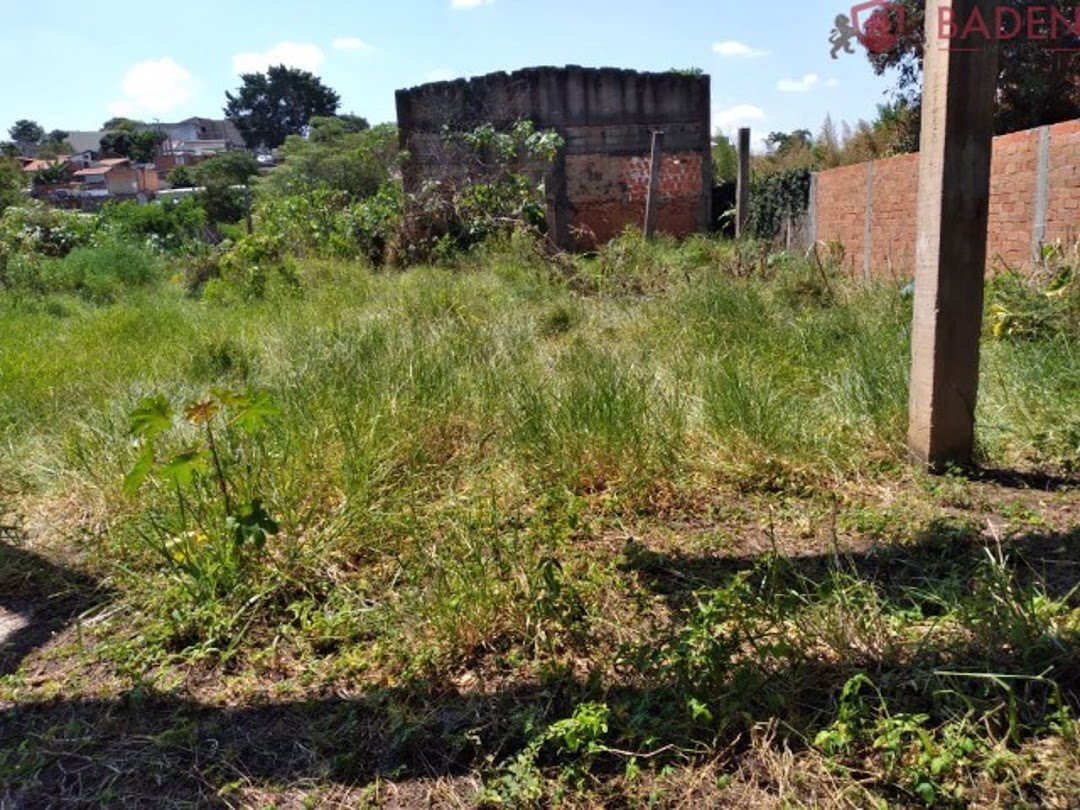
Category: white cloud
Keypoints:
(732, 48)
(728, 121)
(441, 75)
(154, 86)
(351, 44)
(740, 115)
(302, 55)
(803, 85)
(462, 4)
(832, 83)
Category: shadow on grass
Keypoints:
(942, 554)
(154, 749)
(1014, 479)
(43, 597)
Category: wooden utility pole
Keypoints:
(959, 82)
(742, 188)
(652, 198)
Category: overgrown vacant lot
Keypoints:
(636, 529)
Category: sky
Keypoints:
(79, 65)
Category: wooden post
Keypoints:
(652, 198)
(742, 190)
(959, 81)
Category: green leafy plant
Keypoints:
(35, 229)
(501, 192)
(578, 738)
(166, 226)
(220, 520)
(1042, 304)
(774, 198)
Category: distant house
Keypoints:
(116, 178)
(35, 165)
(81, 160)
(164, 165)
(199, 136)
(47, 176)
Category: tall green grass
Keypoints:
(405, 396)
(516, 368)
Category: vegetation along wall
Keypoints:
(606, 117)
(1034, 201)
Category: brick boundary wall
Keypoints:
(1034, 201)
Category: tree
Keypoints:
(226, 169)
(27, 133)
(329, 128)
(55, 144)
(219, 177)
(145, 143)
(787, 151)
(358, 163)
(725, 158)
(784, 143)
(56, 138)
(121, 123)
(1038, 78)
(268, 107)
(352, 122)
(828, 145)
(51, 174)
(117, 144)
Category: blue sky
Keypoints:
(769, 62)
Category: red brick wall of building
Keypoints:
(607, 193)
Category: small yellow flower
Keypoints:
(183, 547)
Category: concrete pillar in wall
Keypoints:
(742, 198)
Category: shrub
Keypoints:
(1042, 305)
(98, 274)
(180, 177)
(498, 195)
(337, 158)
(374, 222)
(228, 169)
(776, 197)
(166, 226)
(35, 229)
(224, 204)
(251, 266)
(324, 224)
(310, 224)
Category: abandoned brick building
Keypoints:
(598, 183)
